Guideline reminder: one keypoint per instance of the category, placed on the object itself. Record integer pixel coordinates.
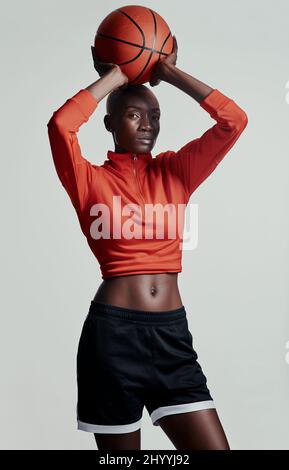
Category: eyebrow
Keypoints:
(137, 107)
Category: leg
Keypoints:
(127, 441)
(197, 430)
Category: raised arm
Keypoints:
(73, 170)
(197, 159)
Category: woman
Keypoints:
(135, 348)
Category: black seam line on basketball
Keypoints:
(131, 44)
(155, 35)
(143, 36)
(135, 23)
(163, 46)
(151, 53)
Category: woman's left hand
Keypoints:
(159, 67)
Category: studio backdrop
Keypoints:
(234, 282)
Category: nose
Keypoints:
(145, 124)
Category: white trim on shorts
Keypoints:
(107, 429)
(183, 408)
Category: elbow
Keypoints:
(54, 123)
(50, 122)
(244, 119)
(240, 121)
(56, 120)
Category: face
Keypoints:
(138, 117)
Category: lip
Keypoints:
(145, 139)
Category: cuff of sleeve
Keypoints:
(214, 101)
(86, 102)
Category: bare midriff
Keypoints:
(151, 292)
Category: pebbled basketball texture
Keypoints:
(135, 38)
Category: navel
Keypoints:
(153, 290)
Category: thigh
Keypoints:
(196, 430)
(127, 441)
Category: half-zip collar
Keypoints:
(123, 162)
(126, 157)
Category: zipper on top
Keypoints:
(136, 175)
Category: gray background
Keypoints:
(234, 285)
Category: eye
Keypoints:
(156, 117)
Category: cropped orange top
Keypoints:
(126, 205)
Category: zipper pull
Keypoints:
(135, 158)
(133, 168)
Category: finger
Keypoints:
(175, 44)
(155, 82)
(96, 60)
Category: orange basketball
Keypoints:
(135, 38)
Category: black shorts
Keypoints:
(128, 359)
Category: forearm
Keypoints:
(185, 82)
(104, 85)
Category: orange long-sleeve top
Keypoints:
(111, 199)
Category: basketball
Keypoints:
(135, 38)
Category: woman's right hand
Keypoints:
(104, 67)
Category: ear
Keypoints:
(107, 122)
